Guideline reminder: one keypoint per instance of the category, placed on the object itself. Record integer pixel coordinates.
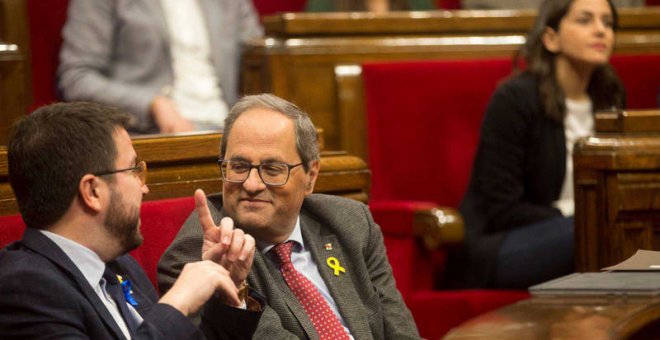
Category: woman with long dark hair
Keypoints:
(519, 205)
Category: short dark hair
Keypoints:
(306, 138)
(51, 149)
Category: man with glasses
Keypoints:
(79, 186)
(321, 262)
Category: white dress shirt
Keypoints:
(302, 261)
(578, 123)
(196, 89)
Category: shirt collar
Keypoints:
(296, 237)
(87, 261)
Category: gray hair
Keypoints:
(306, 138)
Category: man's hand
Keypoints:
(197, 282)
(167, 117)
(229, 247)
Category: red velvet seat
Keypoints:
(423, 128)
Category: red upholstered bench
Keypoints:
(161, 220)
(423, 121)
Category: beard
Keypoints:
(122, 222)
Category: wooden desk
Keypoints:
(567, 318)
(617, 190)
(303, 56)
(180, 164)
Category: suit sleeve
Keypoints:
(397, 319)
(500, 166)
(86, 61)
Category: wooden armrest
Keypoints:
(439, 227)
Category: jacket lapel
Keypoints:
(324, 246)
(41, 244)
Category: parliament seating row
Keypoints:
(435, 312)
(421, 144)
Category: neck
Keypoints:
(88, 234)
(573, 78)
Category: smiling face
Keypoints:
(122, 219)
(585, 35)
(268, 213)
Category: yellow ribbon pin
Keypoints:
(333, 263)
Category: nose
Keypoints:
(254, 183)
(145, 189)
(600, 27)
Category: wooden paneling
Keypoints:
(14, 67)
(301, 51)
(180, 164)
(12, 87)
(617, 194)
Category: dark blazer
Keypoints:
(44, 295)
(518, 172)
(365, 294)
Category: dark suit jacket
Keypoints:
(518, 172)
(365, 294)
(44, 295)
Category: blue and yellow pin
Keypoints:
(128, 292)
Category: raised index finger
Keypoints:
(203, 212)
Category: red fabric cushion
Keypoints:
(423, 125)
(11, 229)
(45, 21)
(267, 7)
(437, 312)
(640, 75)
(449, 4)
(161, 220)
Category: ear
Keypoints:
(89, 191)
(312, 175)
(550, 39)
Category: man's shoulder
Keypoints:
(336, 212)
(20, 267)
(332, 204)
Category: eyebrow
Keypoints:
(590, 13)
(267, 160)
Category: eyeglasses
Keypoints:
(271, 173)
(140, 170)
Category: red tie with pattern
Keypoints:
(325, 321)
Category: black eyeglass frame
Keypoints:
(258, 167)
(140, 169)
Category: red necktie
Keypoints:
(325, 321)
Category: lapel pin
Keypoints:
(127, 290)
(333, 263)
(328, 246)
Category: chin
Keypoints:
(251, 222)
